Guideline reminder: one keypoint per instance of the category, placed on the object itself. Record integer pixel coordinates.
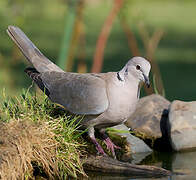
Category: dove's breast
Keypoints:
(122, 98)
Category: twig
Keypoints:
(150, 44)
(102, 40)
(82, 67)
(130, 37)
(76, 35)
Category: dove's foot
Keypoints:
(100, 150)
(111, 146)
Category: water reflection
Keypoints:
(179, 163)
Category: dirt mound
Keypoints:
(23, 145)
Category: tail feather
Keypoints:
(30, 51)
(35, 76)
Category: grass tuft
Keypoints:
(38, 139)
(155, 87)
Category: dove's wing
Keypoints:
(78, 93)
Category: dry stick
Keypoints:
(108, 165)
(75, 36)
(101, 43)
(150, 54)
(150, 46)
(133, 45)
(132, 42)
(82, 67)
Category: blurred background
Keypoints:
(102, 35)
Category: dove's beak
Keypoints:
(147, 82)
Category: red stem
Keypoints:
(102, 40)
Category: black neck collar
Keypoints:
(118, 76)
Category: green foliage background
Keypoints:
(43, 21)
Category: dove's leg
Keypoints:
(91, 133)
(110, 145)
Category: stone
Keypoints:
(137, 158)
(150, 117)
(182, 125)
(136, 144)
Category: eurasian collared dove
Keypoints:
(107, 99)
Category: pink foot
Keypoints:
(100, 150)
(111, 146)
(98, 147)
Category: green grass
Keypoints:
(59, 146)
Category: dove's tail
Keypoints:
(30, 51)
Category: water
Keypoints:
(176, 162)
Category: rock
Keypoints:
(136, 158)
(136, 149)
(150, 116)
(182, 125)
(136, 144)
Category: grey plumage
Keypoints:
(30, 51)
(107, 99)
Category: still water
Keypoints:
(181, 163)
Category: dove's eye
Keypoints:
(138, 67)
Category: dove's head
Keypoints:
(138, 68)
